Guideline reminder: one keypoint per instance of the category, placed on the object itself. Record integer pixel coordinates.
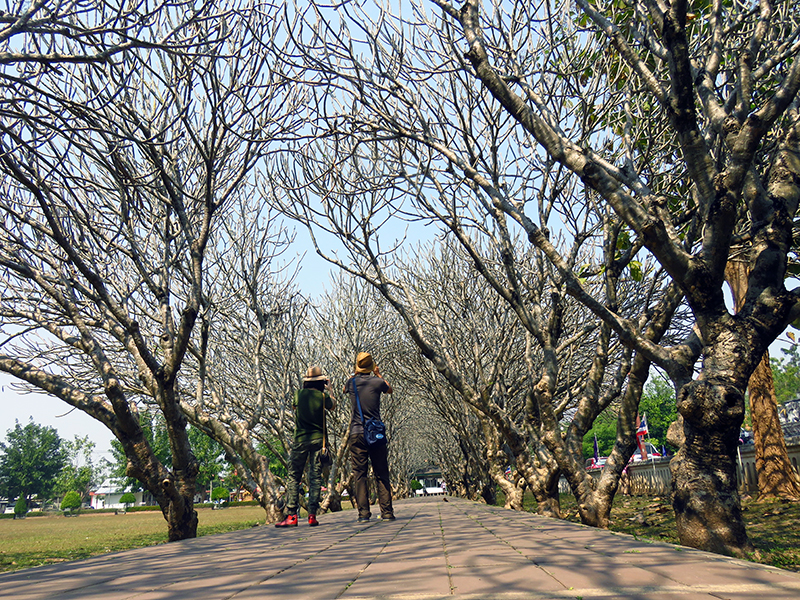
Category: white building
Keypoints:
(109, 493)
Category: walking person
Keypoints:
(365, 389)
(309, 403)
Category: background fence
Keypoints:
(653, 478)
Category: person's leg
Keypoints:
(297, 464)
(379, 457)
(314, 476)
(359, 457)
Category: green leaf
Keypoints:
(636, 270)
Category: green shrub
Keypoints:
(71, 501)
(21, 507)
(128, 498)
(220, 494)
(244, 503)
(415, 485)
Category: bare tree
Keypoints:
(393, 157)
(454, 433)
(680, 123)
(125, 136)
(726, 109)
(249, 359)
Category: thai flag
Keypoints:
(642, 428)
(641, 431)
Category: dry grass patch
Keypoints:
(773, 525)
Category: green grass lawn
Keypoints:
(773, 526)
(44, 540)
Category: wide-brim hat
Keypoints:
(364, 363)
(315, 374)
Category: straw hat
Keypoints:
(364, 363)
(315, 374)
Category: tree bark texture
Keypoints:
(181, 517)
(705, 496)
(776, 477)
(548, 503)
(542, 476)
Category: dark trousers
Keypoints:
(303, 452)
(361, 456)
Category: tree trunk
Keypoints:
(489, 493)
(181, 518)
(332, 501)
(776, 478)
(705, 496)
(548, 503)
(614, 474)
(512, 491)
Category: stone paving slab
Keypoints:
(434, 550)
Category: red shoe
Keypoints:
(312, 520)
(289, 521)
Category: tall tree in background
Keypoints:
(30, 460)
(786, 374)
(80, 474)
(657, 402)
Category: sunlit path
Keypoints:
(435, 549)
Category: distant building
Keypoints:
(109, 493)
(430, 477)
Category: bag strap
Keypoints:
(324, 424)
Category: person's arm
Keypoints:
(378, 374)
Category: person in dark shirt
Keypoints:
(308, 433)
(370, 385)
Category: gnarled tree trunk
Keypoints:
(705, 495)
(776, 477)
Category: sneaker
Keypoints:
(312, 520)
(387, 518)
(363, 519)
(289, 521)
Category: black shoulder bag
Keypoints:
(374, 429)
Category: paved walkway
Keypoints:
(435, 549)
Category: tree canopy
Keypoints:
(786, 374)
(590, 174)
(30, 460)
